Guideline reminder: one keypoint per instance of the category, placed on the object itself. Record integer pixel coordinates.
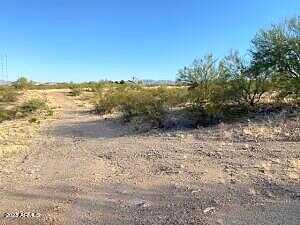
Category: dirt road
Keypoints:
(85, 169)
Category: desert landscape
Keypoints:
(76, 167)
(212, 138)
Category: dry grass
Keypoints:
(283, 126)
(273, 130)
(17, 134)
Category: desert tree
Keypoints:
(243, 83)
(278, 50)
(200, 72)
(22, 83)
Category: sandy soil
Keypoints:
(86, 169)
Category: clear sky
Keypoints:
(82, 40)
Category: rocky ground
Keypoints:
(16, 135)
(86, 169)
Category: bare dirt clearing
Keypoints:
(84, 169)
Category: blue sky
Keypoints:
(82, 40)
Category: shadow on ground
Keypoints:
(99, 128)
(165, 205)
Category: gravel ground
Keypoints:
(85, 169)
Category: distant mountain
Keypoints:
(158, 82)
(4, 82)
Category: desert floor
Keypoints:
(80, 168)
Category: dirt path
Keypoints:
(88, 170)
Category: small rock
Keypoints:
(180, 135)
(269, 194)
(246, 146)
(232, 181)
(196, 191)
(220, 221)
(208, 209)
(252, 191)
(276, 161)
(293, 175)
(141, 203)
(57, 208)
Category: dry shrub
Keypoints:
(27, 108)
(8, 94)
(75, 92)
(140, 104)
(275, 126)
(32, 105)
(282, 126)
(6, 114)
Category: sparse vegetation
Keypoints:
(22, 83)
(218, 146)
(75, 91)
(213, 90)
(277, 50)
(32, 105)
(133, 101)
(8, 94)
(5, 114)
(210, 90)
(8, 111)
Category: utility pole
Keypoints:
(2, 68)
(6, 70)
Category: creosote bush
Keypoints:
(217, 89)
(133, 101)
(8, 94)
(278, 50)
(25, 109)
(6, 114)
(75, 91)
(32, 106)
(22, 83)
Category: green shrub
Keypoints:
(107, 98)
(148, 104)
(32, 105)
(76, 92)
(207, 103)
(5, 115)
(33, 120)
(244, 83)
(26, 109)
(8, 94)
(206, 88)
(200, 72)
(22, 83)
(287, 88)
(106, 103)
(50, 112)
(216, 86)
(278, 50)
(144, 104)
